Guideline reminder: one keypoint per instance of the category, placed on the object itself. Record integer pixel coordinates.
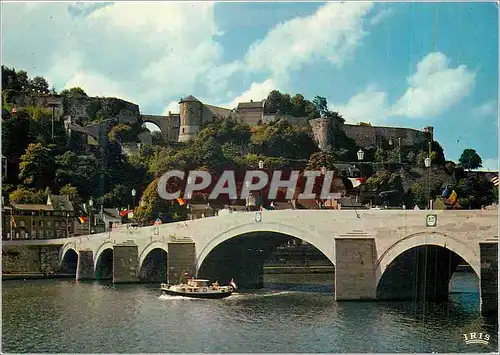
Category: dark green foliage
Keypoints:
(284, 104)
(470, 159)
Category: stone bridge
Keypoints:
(377, 254)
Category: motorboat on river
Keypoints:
(199, 288)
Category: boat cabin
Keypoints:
(197, 282)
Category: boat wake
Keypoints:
(174, 298)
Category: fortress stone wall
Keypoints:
(193, 114)
(371, 136)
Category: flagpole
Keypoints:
(11, 220)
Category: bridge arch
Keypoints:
(149, 248)
(324, 245)
(100, 250)
(160, 122)
(421, 265)
(64, 250)
(68, 258)
(421, 239)
(153, 262)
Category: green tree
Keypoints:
(80, 171)
(71, 192)
(75, 92)
(470, 159)
(25, 195)
(283, 140)
(122, 133)
(36, 167)
(152, 206)
(39, 85)
(321, 159)
(321, 105)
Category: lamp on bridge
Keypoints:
(361, 155)
(323, 170)
(261, 164)
(133, 198)
(427, 162)
(91, 203)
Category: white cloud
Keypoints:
(487, 108)
(367, 106)
(171, 107)
(380, 16)
(256, 92)
(154, 52)
(147, 52)
(489, 165)
(333, 32)
(434, 88)
(97, 85)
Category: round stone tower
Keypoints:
(190, 109)
(324, 133)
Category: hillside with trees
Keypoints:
(37, 163)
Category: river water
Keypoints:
(41, 316)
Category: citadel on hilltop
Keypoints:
(193, 114)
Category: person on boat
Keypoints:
(215, 285)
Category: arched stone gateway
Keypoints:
(241, 253)
(420, 266)
(153, 263)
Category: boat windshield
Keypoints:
(199, 283)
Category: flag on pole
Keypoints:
(181, 201)
(125, 212)
(82, 219)
(453, 198)
(494, 180)
(13, 221)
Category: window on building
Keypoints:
(23, 233)
(49, 223)
(40, 223)
(57, 224)
(22, 224)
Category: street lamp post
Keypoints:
(91, 203)
(361, 155)
(32, 234)
(133, 198)
(427, 162)
(67, 225)
(261, 164)
(53, 105)
(323, 173)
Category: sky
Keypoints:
(390, 64)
